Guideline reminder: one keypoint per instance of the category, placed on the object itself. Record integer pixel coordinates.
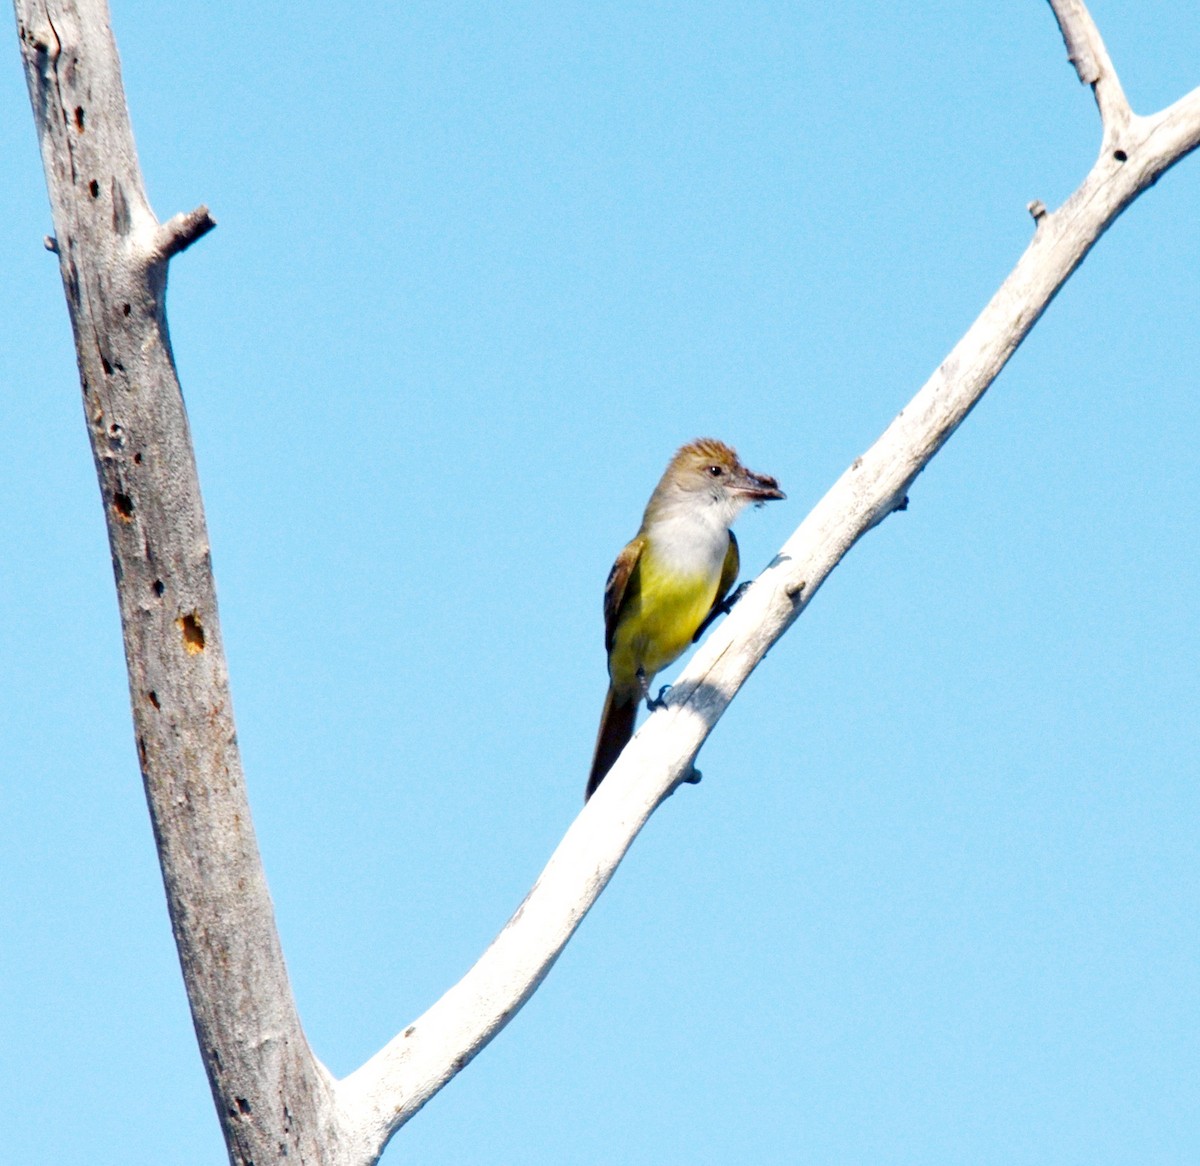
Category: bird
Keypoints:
(671, 580)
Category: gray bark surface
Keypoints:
(113, 256)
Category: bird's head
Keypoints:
(708, 471)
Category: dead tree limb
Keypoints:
(271, 1094)
(274, 1099)
(1135, 153)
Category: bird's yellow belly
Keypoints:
(658, 625)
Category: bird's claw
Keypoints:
(737, 593)
(654, 703)
(722, 608)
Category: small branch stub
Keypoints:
(180, 231)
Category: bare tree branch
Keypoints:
(1086, 51)
(274, 1098)
(394, 1084)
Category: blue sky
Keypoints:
(479, 270)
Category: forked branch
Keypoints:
(274, 1099)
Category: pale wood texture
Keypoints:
(274, 1098)
(1135, 153)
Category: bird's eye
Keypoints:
(715, 471)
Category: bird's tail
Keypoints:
(616, 727)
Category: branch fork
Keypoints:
(1086, 51)
(273, 1097)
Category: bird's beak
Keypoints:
(757, 487)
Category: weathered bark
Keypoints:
(275, 1100)
(113, 256)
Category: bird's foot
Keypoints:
(654, 703)
(722, 608)
(734, 596)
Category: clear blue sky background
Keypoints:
(479, 270)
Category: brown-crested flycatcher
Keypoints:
(671, 580)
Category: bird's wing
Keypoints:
(729, 573)
(622, 581)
